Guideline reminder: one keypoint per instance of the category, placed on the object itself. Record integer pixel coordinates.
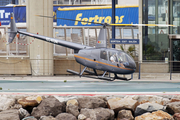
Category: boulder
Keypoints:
(31, 101)
(150, 98)
(73, 102)
(125, 114)
(175, 98)
(49, 106)
(30, 118)
(126, 103)
(11, 114)
(65, 116)
(98, 113)
(158, 115)
(23, 113)
(6, 102)
(91, 102)
(47, 118)
(16, 106)
(173, 108)
(81, 117)
(148, 107)
(72, 109)
(176, 116)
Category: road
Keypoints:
(83, 85)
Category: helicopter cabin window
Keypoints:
(113, 57)
(103, 55)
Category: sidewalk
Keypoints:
(144, 77)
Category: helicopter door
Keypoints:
(103, 55)
(113, 58)
(103, 59)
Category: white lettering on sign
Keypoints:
(3, 13)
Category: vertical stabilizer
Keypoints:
(102, 39)
(13, 29)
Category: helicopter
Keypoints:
(98, 58)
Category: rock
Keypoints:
(65, 116)
(49, 106)
(176, 116)
(98, 113)
(16, 106)
(23, 113)
(158, 115)
(173, 108)
(126, 103)
(88, 119)
(91, 102)
(151, 98)
(148, 107)
(30, 118)
(47, 118)
(31, 101)
(175, 98)
(73, 102)
(6, 102)
(104, 114)
(125, 114)
(81, 117)
(11, 114)
(72, 109)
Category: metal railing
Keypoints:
(82, 35)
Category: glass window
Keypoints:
(103, 55)
(113, 57)
(155, 39)
(176, 16)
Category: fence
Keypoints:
(82, 35)
(25, 66)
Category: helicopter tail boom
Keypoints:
(63, 43)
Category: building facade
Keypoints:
(155, 45)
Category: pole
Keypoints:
(113, 21)
(139, 70)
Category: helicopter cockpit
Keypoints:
(124, 59)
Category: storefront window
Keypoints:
(175, 16)
(155, 39)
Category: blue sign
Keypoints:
(124, 15)
(5, 15)
(19, 13)
(124, 41)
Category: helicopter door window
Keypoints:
(103, 55)
(113, 57)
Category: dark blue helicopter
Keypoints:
(98, 58)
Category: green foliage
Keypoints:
(151, 52)
(176, 50)
(130, 50)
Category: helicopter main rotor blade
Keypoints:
(152, 25)
(70, 19)
(106, 24)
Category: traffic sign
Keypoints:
(124, 41)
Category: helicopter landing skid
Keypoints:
(121, 78)
(96, 77)
(88, 76)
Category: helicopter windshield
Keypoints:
(126, 59)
